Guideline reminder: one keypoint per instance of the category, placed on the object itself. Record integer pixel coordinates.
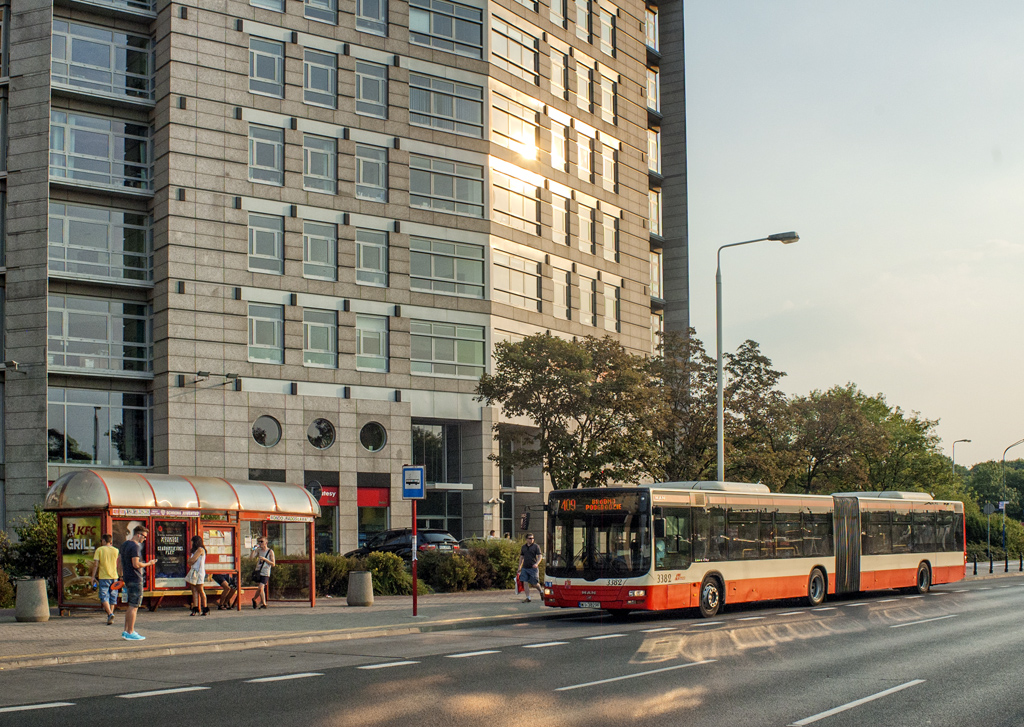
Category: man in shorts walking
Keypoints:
(133, 575)
(106, 568)
(529, 567)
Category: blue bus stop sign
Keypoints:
(413, 483)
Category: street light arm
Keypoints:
(1019, 441)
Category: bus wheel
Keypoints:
(710, 597)
(924, 578)
(816, 588)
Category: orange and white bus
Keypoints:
(706, 544)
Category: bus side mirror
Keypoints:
(659, 528)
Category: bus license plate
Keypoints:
(589, 604)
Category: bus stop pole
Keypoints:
(415, 542)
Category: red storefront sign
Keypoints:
(373, 497)
(329, 497)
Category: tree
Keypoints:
(590, 406)
(35, 553)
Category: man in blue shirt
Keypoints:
(133, 575)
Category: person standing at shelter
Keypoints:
(265, 560)
(529, 566)
(196, 576)
(133, 575)
(106, 568)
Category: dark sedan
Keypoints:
(399, 542)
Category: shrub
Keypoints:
(483, 578)
(390, 577)
(35, 553)
(504, 557)
(447, 572)
(332, 574)
(6, 591)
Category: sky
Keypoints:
(890, 136)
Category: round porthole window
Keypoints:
(266, 431)
(373, 437)
(321, 434)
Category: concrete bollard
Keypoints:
(30, 604)
(360, 588)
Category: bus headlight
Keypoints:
(548, 592)
(640, 593)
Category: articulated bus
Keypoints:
(705, 544)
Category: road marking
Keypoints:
(160, 692)
(887, 600)
(825, 608)
(633, 676)
(927, 620)
(603, 636)
(284, 677)
(27, 707)
(791, 613)
(985, 589)
(472, 653)
(708, 623)
(907, 598)
(857, 703)
(959, 590)
(862, 603)
(545, 644)
(751, 618)
(654, 631)
(1005, 586)
(387, 665)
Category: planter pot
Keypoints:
(360, 588)
(30, 603)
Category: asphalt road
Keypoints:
(952, 657)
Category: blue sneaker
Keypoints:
(133, 636)
(124, 634)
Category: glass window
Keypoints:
(276, 5)
(266, 155)
(266, 333)
(563, 294)
(584, 89)
(321, 434)
(320, 338)
(451, 268)
(90, 427)
(103, 60)
(515, 51)
(319, 79)
(322, 11)
(654, 150)
(320, 250)
(653, 90)
(99, 334)
(372, 173)
(607, 33)
(372, 258)
(372, 342)
(373, 436)
(655, 211)
(673, 551)
(560, 219)
(656, 274)
(100, 242)
(447, 26)
(588, 301)
(612, 307)
(372, 16)
(437, 447)
(515, 203)
(558, 14)
(582, 8)
(446, 186)
(448, 349)
(100, 151)
(609, 168)
(588, 229)
(319, 164)
(266, 432)
(371, 89)
(610, 236)
(516, 281)
(651, 27)
(559, 146)
(266, 67)
(559, 74)
(266, 244)
(438, 103)
(609, 100)
(515, 125)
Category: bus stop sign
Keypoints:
(413, 484)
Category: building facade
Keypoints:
(278, 240)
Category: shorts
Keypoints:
(107, 595)
(262, 579)
(530, 575)
(224, 581)
(133, 592)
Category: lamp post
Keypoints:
(1002, 485)
(953, 457)
(785, 238)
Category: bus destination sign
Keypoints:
(598, 503)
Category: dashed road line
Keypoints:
(654, 631)
(160, 692)
(856, 703)
(603, 636)
(387, 665)
(861, 603)
(751, 618)
(545, 644)
(886, 600)
(708, 623)
(825, 608)
(30, 707)
(285, 677)
(927, 620)
(792, 613)
(467, 654)
(633, 676)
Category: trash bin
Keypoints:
(360, 588)
(30, 604)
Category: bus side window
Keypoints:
(674, 548)
(924, 532)
(700, 534)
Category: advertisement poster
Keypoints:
(171, 544)
(79, 538)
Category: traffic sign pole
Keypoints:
(415, 542)
(414, 488)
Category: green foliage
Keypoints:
(332, 574)
(35, 553)
(389, 575)
(447, 572)
(6, 591)
(504, 558)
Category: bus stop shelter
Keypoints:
(229, 515)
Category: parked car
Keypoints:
(399, 542)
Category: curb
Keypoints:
(307, 637)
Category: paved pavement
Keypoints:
(83, 637)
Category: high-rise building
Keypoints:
(278, 240)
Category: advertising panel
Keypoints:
(79, 538)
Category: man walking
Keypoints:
(529, 566)
(132, 568)
(106, 567)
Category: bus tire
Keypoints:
(924, 578)
(817, 588)
(710, 597)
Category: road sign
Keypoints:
(989, 508)
(413, 483)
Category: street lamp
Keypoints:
(785, 238)
(953, 458)
(1002, 484)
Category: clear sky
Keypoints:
(890, 136)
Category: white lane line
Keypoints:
(984, 589)
(790, 613)
(160, 692)
(603, 636)
(28, 707)
(467, 654)
(959, 590)
(654, 631)
(633, 676)
(857, 703)
(887, 600)
(708, 623)
(545, 644)
(751, 618)
(285, 677)
(1004, 586)
(925, 621)
(907, 598)
(387, 665)
(862, 603)
(825, 608)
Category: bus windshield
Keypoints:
(596, 536)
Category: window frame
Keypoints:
(313, 321)
(327, 268)
(511, 203)
(465, 261)
(120, 317)
(321, 11)
(459, 16)
(376, 24)
(327, 154)
(259, 324)
(437, 170)
(515, 51)
(372, 275)
(369, 157)
(64, 217)
(271, 263)
(372, 328)
(326, 97)
(437, 97)
(135, 139)
(369, 74)
(515, 280)
(120, 45)
(272, 137)
(437, 336)
(263, 85)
